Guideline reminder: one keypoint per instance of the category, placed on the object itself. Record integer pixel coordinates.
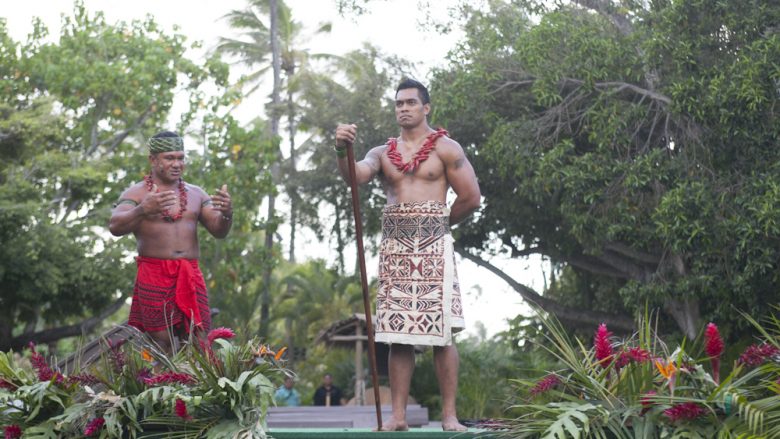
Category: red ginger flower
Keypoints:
(13, 432)
(754, 355)
(684, 411)
(169, 378)
(94, 426)
(602, 344)
(6, 385)
(181, 410)
(714, 349)
(545, 384)
(220, 333)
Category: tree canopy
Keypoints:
(633, 143)
(74, 116)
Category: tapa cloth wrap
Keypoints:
(418, 301)
(169, 292)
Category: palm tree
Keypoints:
(263, 41)
(315, 297)
(254, 50)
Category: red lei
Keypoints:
(182, 200)
(418, 157)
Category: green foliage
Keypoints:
(632, 144)
(361, 98)
(640, 388)
(208, 389)
(74, 116)
(494, 361)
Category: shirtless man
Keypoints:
(418, 299)
(163, 212)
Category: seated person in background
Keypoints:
(327, 394)
(286, 395)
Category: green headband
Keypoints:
(165, 144)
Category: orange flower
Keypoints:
(147, 356)
(280, 353)
(263, 351)
(667, 370)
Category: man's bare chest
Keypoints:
(432, 170)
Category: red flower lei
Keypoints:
(418, 157)
(182, 200)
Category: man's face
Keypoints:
(327, 380)
(409, 109)
(168, 166)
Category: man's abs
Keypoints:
(169, 241)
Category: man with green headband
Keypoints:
(163, 212)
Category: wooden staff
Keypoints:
(364, 282)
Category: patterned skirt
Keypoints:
(169, 293)
(418, 301)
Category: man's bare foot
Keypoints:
(393, 425)
(451, 423)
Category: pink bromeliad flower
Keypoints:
(602, 345)
(631, 355)
(687, 411)
(169, 378)
(85, 379)
(13, 432)
(754, 355)
(714, 349)
(181, 410)
(216, 333)
(94, 426)
(42, 368)
(545, 384)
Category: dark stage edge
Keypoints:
(366, 433)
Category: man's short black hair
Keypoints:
(163, 134)
(421, 90)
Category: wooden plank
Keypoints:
(366, 433)
(309, 423)
(357, 416)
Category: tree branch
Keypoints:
(118, 138)
(576, 316)
(54, 334)
(607, 9)
(629, 252)
(612, 86)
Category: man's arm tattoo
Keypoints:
(459, 162)
(373, 160)
(126, 201)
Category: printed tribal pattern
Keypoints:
(418, 300)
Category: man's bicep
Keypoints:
(460, 174)
(370, 166)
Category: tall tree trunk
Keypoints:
(271, 222)
(293, 163)
(339, 238)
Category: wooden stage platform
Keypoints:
(366, 433)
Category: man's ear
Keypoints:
(427, 108)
